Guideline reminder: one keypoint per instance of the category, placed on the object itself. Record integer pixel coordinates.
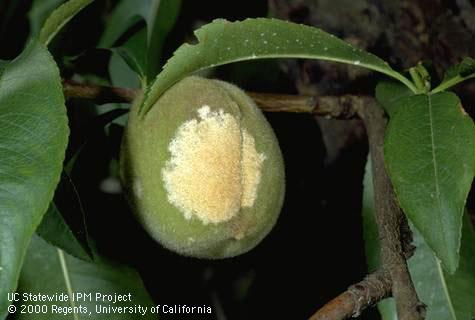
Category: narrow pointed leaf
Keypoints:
(125, 15)
(222, 42)
(430, 156)
(33, 137)
(161, 24)
(59, 17)
(371, 237)
(465, 70)
(72, 237)
(50, 271)
(56, 231)
(142, 53)
(458, 73)
(133, 54)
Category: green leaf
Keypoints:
(458, 73)
(143, 55)
(120, 73)
(125, 15)
(448, 297)
(390, 94)
(133, 54)
(33, 137)
(161, 24)
(3, 65)
(39, 12)
(222, 42)
(430, 157)
(59, 18)
(465, 69)
(54, 228)
(56, 231)
(50, 271)
(387, 309)
(371, 237)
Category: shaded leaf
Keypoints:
(40, 10)
(371, 237)
(33, 137)
(133, 54)
(143, 50)
(125, 15)
(222, 42)
(458, 73)
(3, 65)
(390, 94)
(430, 157)
(387, 309)
(161, 24)
(49, 271)
(56, 231)
(465, 69)
(59, 18)
(448, 297)
(121, 75)
(127, 63)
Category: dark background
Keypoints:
(316, 249)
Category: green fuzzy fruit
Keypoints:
(202, 170)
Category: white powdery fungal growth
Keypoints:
(214, 168)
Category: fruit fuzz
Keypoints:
(202, 170)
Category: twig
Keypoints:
(100, 94)
(389, 217)
(339, 107)
(331, 106)
(350, 303)
(393, 231)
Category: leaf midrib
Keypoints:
(446, 290)
(435, 166)
(67, 280)
(195, 54)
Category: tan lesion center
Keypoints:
(214, 168)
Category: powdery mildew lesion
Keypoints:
(214, 168)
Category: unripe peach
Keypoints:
(202, 170)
